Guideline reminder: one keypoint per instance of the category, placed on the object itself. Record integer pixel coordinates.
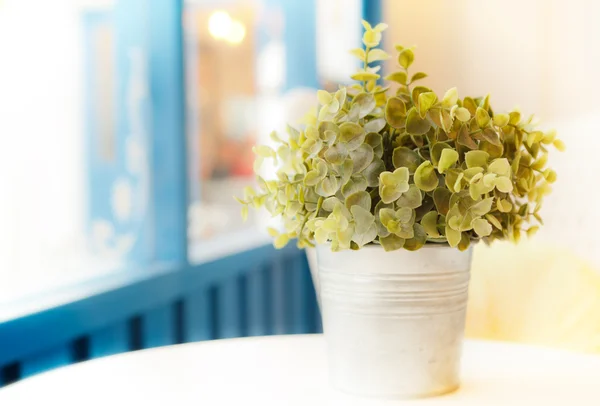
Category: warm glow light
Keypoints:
(236, 33)
(219, 24)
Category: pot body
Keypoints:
(394, 321)
(311, 256)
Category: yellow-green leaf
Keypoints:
(377, 55)
(425, 177)
(406, 58)
(398, 77)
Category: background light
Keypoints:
(219, 24)
(236, 33)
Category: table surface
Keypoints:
(292, 370)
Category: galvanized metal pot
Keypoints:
(394, 321)
(311, 257)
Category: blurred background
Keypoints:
(94, 177)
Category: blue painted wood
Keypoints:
(168, 129)
(300, 43)
(44, 361)
(110, 340)
(257, 301)
(197, 315)
(302, 302)
(278, 296)
(229, 305)
(158, 326)
(372, 11)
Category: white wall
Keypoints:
(540, 55)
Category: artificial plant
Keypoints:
(405, 168)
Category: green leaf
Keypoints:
(392, 185)
(404, 157)
(328, 186)
(504, 206)
(375, 125)
(375, 140)
(550, 175)
(352, 134)
(365, 102)
(450, 98)
(324, 97)
(416, 125)
(356, 183)
(377, 55)
(482, 227)
(476, 159)
(503, 184)
(465, 139)
(494, 221)
(501, 120)
(470, 105)
(336, 154)
(361, 198)
(325, 126)
(429, 223)
(446, 120)
(373, 171)
(359, 53)
(391, 243)
(395, 112)
(500, 167)
(281, 241)
(462, 114)
(425, 177)
(371, 38)
(406, 58)
(418, 76)
(495, 151)
(412, 198)
(441, 198)
(490, 136)
(449, 157)
(362, 157)
(426, 102)
(398, 77)
(482, 117)
(364, 76)
(418, 240)
(264, 151)
(380, 27)
(482, 207)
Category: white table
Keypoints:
(292, 370)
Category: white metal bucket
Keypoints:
(394, 321)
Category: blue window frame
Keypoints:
(161, 298)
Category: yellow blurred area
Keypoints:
(534, 293)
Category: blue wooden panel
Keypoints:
(228, 309)
(372, 11)
(110, 340)
(10, 373)
(278, 296)
(75, 311)
(158, 327)
(168, 129)
(302, 299)
(300, 43)
(197, 316)
(54, 358)
(257, 302)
